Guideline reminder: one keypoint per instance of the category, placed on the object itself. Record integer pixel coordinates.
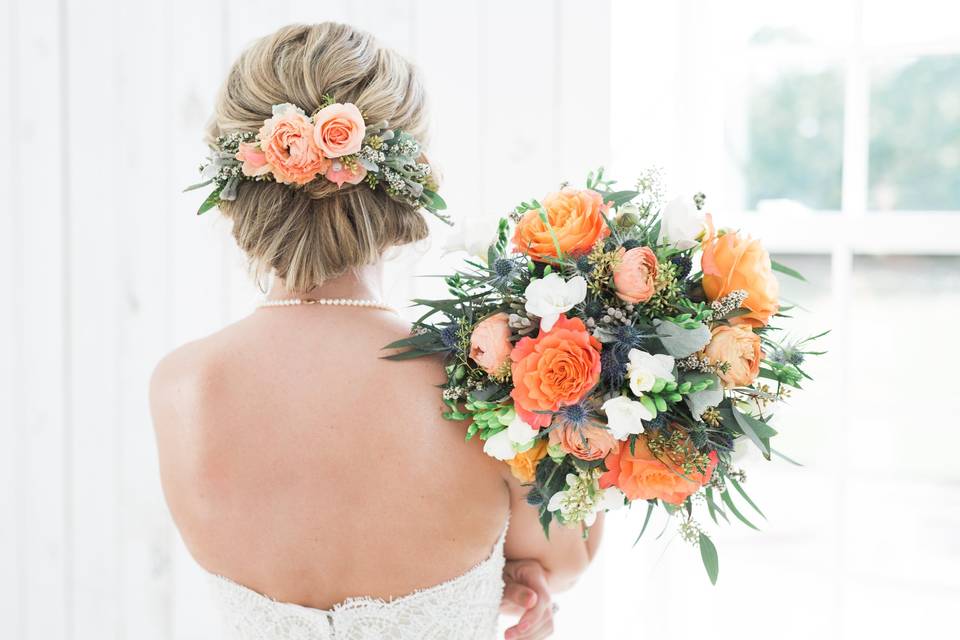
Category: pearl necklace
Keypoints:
(333, 302)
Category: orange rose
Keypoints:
(576, 217)
(553, 370)
(287, 143)
(490, 342)
(523, 466)
(635, 276)
(738, 346)
(731, 262)
(586, 443)
(640, 475)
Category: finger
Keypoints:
(520, 595)
(530, 621)
(542, 628)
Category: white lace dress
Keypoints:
(464, 608)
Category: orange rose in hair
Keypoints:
(523, 466)
(586, 443)
(553, 370)
(640, 475)
(287, 143)
(635, 276)
(739, 347)
(731, 262)
(576, 217)
(490, 343)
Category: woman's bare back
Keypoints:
(298, 462)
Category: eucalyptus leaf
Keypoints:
(758, 431)
(646, 521)
(212, 200)
(617, 198)
(679, 341)
(700, 401)
(727, 500)
(786, 270)
(736, 485)
(711, 562)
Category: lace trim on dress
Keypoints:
(463, 607)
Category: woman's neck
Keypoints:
(362, 283)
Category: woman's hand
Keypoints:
(526, 594)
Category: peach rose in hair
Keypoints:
(340, 173)
(739, 347)
(576, 217)
(253, 159)
(553, 370)
(731, 262)
(288, 147)
(587, 443)
(339, 130)
(640, 475)
(635, 277)
(490, 342)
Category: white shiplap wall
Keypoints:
(109, 268)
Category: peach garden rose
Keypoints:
(587, 443)
(731, 262)
(635, 276)
(642, 476)
(523, 466)
(339, 130)
(490, 343)
(739, 347)
(289, 148)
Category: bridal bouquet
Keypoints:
(613, 349)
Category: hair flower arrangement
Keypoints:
(334, 144)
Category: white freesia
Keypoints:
(624, 416)
(644, 369)
(681, 223)
(550, 296)
(499, 446)
(520, 432)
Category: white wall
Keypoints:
(108, 268)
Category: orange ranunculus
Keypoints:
(553, 370)
(523, 466)
(731, 262)
(739, 347)
(635, 276)
(640, 475)
(576, 217)
(490, 342)
(586, 443)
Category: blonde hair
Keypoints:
(310, 234)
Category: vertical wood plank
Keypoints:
(197, 298)
(37, 140)
(11, 356)
(93, 321)
(145, 260)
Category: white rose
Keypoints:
(550, 296)
(468, 239)
(520, 432)
(681, 223)
(613, 498)
(644, 369)
(499, 446)
(624, 416)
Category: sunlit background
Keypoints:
(829, 129)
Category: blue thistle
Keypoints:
(593, 309)
(613, 366)
(503, 267)
(575, 414)
(450, 337)
(684, 264)
(630, 244)
(584, 265)
(659, 422)
(795, 358)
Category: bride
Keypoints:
(315, 482)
